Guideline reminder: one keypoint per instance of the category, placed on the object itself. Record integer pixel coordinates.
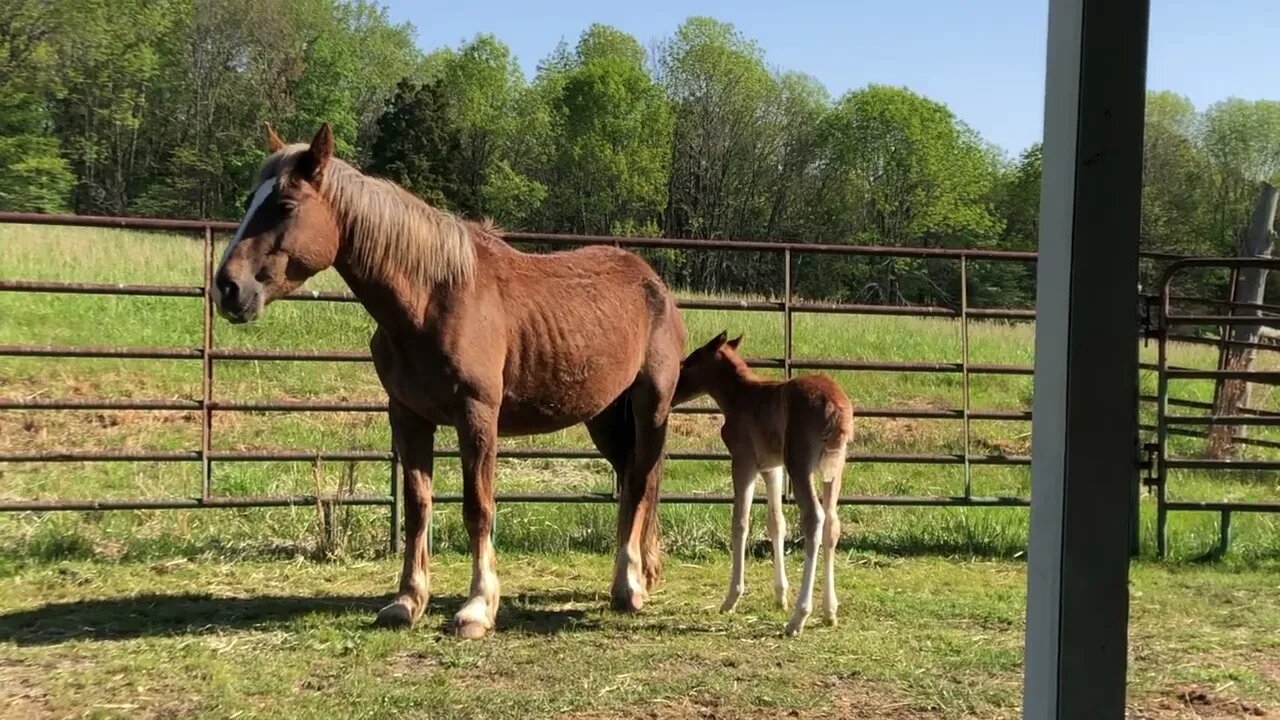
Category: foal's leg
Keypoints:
(773, 484)
(744, 487)
(478, 443)
(638, 551)
(830, 536)
(811, 519)
(415, 442)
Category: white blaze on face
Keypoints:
(260, 196)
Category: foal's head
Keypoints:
(705, 366)
(289, 231)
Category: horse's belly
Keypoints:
(555, 403)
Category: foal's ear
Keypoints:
(274, 143)
(718, 340)
(314, 161)
(736, 341)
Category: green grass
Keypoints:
(918, 638)
(265, 613)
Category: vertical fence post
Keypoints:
(788, 491)
(964, 371)
(1162, 420)
(786, 312)
(206, 363)
(393, 543)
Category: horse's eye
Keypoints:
(288, 207)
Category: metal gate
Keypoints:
(1197, 418)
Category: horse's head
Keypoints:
(700, 371)
(289, 231)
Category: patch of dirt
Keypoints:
(1198, 703)
(699, 427)
(849, 699)
(21, 694)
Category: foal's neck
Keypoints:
(734, 384)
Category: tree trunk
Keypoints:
(1251, 284)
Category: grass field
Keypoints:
(932, 597)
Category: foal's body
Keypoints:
(802, 425)
(476, 335)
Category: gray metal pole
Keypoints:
(1085, 447)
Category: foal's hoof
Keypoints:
(395, 615)
(469, 629)
(795, 627)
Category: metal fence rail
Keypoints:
(207, 354)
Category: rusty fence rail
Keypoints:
(789, 306)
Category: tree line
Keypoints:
(155, 107)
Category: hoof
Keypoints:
(830, 619)
(728, 605)
(632, 602)
(780, 602)
(395, 615)
(469, 629)
(795, 627)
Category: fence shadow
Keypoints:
(155, 615)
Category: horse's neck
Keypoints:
(394, 303)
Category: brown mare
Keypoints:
(475, 334)
(804, 425)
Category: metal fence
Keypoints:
(1166, 326)
(788, 306)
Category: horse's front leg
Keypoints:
(478, 443)
(415, 442)
(744, 486)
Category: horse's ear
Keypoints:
(736, 341)
(718, 340)
(274, 143)
(314, 161)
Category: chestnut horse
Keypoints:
(803, 425)
(475, 334)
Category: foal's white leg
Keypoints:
(811, 519)
(830, 536)
(744, 487)
(773, 482)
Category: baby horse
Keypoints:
(803, 424)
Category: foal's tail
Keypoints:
(835, 448)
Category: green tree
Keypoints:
(614, 139)
(33, 174)
(416, 146)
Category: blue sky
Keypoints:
(983, 58)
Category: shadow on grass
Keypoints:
(154, 615)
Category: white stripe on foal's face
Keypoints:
(260, 195)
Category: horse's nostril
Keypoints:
(229, 289)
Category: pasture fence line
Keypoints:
(207, 405)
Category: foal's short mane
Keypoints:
(392, 231)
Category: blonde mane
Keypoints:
(392, 230)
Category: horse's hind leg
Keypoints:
(639, 554)
(800, 466)
(613, 433)
(777, 525)
(478, 442)
(831, 467)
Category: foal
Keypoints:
(803, 424)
